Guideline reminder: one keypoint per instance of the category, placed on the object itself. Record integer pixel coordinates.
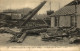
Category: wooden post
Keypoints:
(52, 22)
(77, 2)
(75, 15)
(58, 21)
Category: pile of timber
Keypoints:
(19, 38)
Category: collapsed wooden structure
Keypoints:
(19, 37)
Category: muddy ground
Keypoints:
(32, 41)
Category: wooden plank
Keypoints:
(21, 39)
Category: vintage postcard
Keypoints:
(45, 25)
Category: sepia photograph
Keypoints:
(40, 23)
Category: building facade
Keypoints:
(67, 16)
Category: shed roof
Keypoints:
(68, 9)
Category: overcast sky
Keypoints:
(18, 4)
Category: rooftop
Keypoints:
(68, 9)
